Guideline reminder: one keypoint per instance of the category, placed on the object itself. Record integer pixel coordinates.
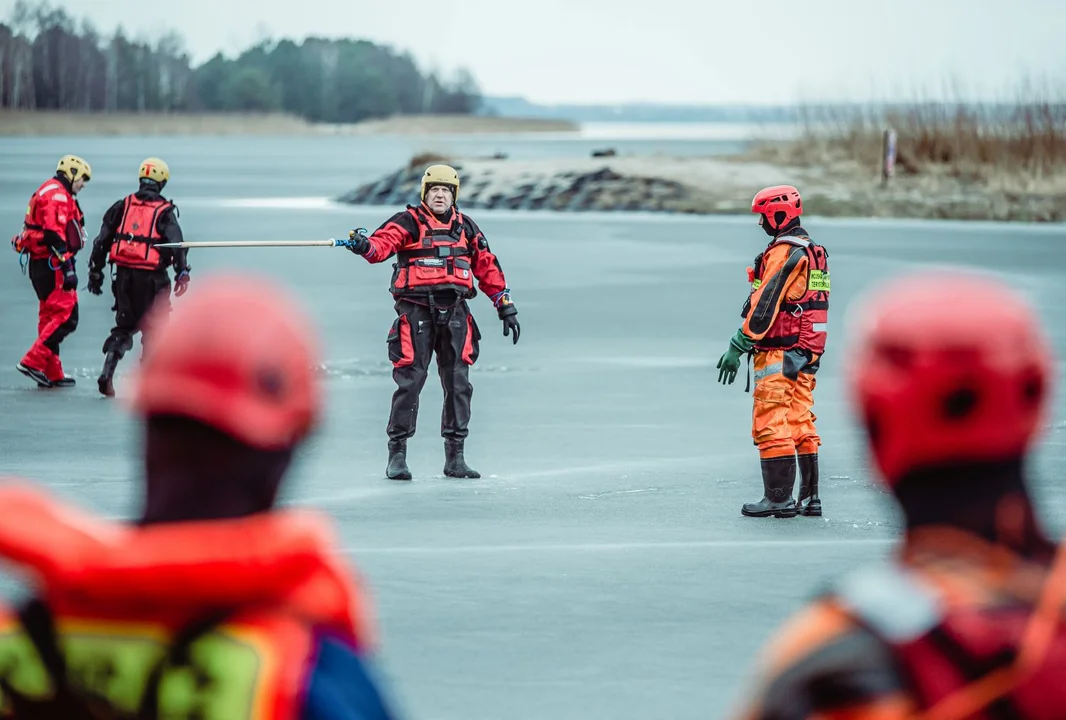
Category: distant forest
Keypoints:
(48, 61)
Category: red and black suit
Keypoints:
(439, 258)
(52, 234)
(129, 233)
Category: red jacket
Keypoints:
(54, 223)
(406, 231)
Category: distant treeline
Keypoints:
(50, 62)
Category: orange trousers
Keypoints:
(782, 422)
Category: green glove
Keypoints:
(729, 363)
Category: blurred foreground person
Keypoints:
(952, 379)
(212, 604)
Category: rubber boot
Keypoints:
(105, 382)
(808, 470)
(397, 469)
(58, 378)
(38, 376)
(454, 463)
(778, 479)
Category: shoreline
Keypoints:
(723, 185)
(43, 123)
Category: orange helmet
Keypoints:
(948, 368)
(237, 356)
(779, 204)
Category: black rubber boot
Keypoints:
(454, 463)
(397, 469)
(808, 471)
(105, 382)
(34, 374)
(778, 479)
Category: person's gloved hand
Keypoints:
(729, 363)
(96, 282)
(181, 283)
(70, 278)
(508, 313)
(358, 243)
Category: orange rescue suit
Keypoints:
(786, 315)
(954, 628)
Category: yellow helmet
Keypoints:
(154, 169)
(73, 167)
(441, 175)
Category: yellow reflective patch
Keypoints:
(755, 284)
(818, 281)
(21, 666)
(220, 682)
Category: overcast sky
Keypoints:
(685, 51)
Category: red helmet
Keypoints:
(771, 201)
(948, 368)
(237, 356)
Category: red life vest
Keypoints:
(135, 609)
(940, 650)
(137, 234)
(439, 258)
(52, 197)
(801, 324)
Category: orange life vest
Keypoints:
(801, 324)
(51, 196)
(948, 649)
(439, 258)
(135, 610)
(137, 234)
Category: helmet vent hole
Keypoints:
(270, 383)
(873, 428)
(1033, 389)
(960, 403)
(897, 355)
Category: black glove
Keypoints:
(70, 278)
(181, 283)
(358, 243)
(96, 282)
(509, 314)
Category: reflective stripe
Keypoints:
(820, 327)
(767, 371)
(49, 186)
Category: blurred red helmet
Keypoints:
(948, 368)
(236, 355)
(771, 202)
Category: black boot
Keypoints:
(808, 469)
(397, 469)
(778, 479)
(104, 382)
(454, 463)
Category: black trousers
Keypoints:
(417, 333)
(136, 292)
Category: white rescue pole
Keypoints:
(332, 242)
